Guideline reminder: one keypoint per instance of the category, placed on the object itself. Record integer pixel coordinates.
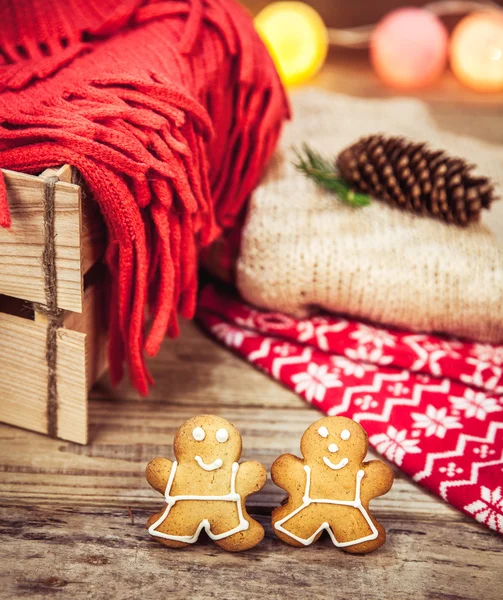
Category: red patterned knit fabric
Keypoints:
(169, 109)
(432, 406)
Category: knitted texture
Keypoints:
(169, 110)
(302, 250)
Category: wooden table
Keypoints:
(73, 517)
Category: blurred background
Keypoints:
(449, 54)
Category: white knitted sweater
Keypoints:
(302, 250)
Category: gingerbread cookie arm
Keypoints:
(377, 481)
(250, 478)
(288, 473)
(157, 473)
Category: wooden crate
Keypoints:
(79, 240)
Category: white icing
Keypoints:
(232, 496)
(216, 464)
(345, 434)
(307, 500)
(323, 431)
(222, 435)
(198, 434)
(342, 463)
(333, 448)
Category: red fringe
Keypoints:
(170, 121)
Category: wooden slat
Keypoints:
(21, 246)
(23, 378)
(93, 234)
(93, 323)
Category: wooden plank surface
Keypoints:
(80, 238)
(105, 553)
(73, 516)
(93, 323)
(93, 231)
(21, 246)
(23, 380)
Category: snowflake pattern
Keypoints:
(372, 335)
(451, 470)
(374, 355)
(314, 382)
(284, 350)
(366, 402)
(485, 375)
(489, 508)
(475, 404)
(398, 389)
(435, 422)
(447, 348)
(351, 368)
(229, 335)
(484, 451)
(394, 444)
(488, 353)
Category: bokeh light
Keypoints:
(409, 48)
(296, 37)
(476, 51)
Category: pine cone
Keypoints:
(415, 178)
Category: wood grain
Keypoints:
(82, 358)
(93, 323)
(93, 230)
(21, 246)
(71, 552)
(23, 380)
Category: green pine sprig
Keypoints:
(325, 174)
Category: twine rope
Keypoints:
(50, 310)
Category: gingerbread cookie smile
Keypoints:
(216, 464)
(340, 465)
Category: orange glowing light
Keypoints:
(476, 51)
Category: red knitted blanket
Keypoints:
(169, 109)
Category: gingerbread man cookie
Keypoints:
(206, 488)
(330, 489)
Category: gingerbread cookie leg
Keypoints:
(299, 527)
(243, 540)
(174, 522)
(374, 538)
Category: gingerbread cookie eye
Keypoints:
(198, 434)
(345, 434)
(323, 431)
(222, 435)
